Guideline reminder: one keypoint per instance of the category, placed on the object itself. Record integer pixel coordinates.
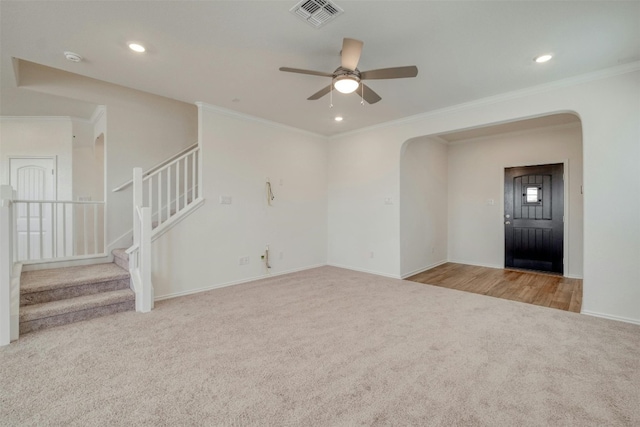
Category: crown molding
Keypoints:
(269, 123)
(37, 118)
(514, 133)
(98, 113)
(533, 90)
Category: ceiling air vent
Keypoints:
(316, 12)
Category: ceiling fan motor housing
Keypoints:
(340, 71)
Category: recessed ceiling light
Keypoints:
(543, 58)
(338, 118)
(136, 47)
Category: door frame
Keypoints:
(565, 241)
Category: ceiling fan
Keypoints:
(348, 79)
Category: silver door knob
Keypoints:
(507, 223)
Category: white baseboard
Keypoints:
(477, 264)
(235, 282)
(573, 276)
(88, 260)
(124, 241)
(362, 270)
(420, 270)
(611, 317)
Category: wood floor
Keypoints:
(533, 288)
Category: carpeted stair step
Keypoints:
(121, 258)
(41, 286)
(56, 313)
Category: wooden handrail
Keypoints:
(156, 167)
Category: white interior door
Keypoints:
(34, 179)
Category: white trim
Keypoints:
(422, 269)
(362, 270)
(237, 115)
(124, 241)
(54, 263)
(514, 132)
(611, 317)
(38, 118)
(98, 113)
(175, 219)
(235, 282)
(479, 264)
(533, 90)
(15, 301)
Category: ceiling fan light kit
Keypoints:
(348, 79)
(346, 83)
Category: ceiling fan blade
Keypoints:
(319, 94)
(351, 50)
(390, 73)
(369, 95)
(300, 71)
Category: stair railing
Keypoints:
(9, 284)
(156, 167)
(58, 230)
(160, 199)
(140, 252)
(173, 188)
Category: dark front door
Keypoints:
(533, 217)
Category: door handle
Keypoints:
(507, 223)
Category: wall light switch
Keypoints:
(491, 202)
(388, 200)
(225, 200)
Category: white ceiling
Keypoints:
(227, 53)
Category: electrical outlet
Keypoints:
(225, 200)
(243, 260)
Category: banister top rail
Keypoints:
(75, 202)
(155, 172)
(158, 166)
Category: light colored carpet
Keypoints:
(327, 347)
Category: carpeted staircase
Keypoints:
(65, 295)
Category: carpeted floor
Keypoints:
(327, 347)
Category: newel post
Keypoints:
(145, 260)
(137, 203)
(8, 320)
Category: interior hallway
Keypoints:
(533, 288)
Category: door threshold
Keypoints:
(540, 272)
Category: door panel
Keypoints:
(34, 179)
(534, 223)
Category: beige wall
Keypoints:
(239, 153)
(423, 205)
(39, 136)
(141, 130)
(364, 169)
(476, 175)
